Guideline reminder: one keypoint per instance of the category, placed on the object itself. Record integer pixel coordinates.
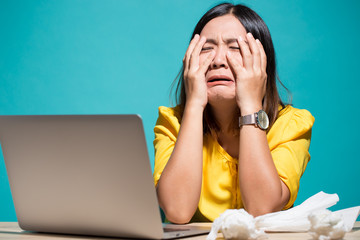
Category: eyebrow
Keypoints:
(227, 40)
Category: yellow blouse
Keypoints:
(289, 142)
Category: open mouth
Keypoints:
(219, 80)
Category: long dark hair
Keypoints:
(253, 23)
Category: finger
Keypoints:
(245, 52)
(239, 57)
(206, 63)
(189, 50)
(262, 55)
(254, 48)
(235, 63)
(194, 59)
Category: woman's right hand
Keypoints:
(194, 72)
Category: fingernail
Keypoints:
(241, 39)
(249, 34)
(258, 41)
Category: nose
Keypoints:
(220, 60)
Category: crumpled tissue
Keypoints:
(326, 225)
(236, 224)
(292, 220)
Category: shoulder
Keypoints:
(288, 109)
(169, 118)
(169, 111)
(289, 113)
(292, 122)
(169, 114)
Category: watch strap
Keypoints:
(247, 119)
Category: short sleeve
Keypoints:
(289, 142)
(166, 131)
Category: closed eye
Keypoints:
(206, 49)
(236, 48)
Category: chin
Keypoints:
(215, 99)
(221, 94)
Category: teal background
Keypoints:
(115, 57)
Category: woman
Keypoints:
(230, 142)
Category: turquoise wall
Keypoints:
(102, 57)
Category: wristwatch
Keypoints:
(259, 119)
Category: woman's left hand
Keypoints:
(249, 69)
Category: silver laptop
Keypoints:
(83, 174)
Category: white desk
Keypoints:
(11, 231)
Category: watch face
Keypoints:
(263, 120)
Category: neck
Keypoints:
(224, 115)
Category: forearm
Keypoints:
(262, 191)
(180, 184)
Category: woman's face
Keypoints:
(221, 34)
